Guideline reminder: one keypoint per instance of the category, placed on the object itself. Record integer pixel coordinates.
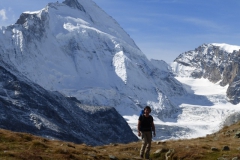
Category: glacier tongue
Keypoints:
(203, 110)
(207, 73)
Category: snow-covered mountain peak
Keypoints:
(227, 47)
(89, 17)
(195, 62)
(87, 55)
(221, 46)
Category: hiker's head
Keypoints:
(148, 109)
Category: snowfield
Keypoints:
(204, 109)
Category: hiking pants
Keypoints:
(146, 143)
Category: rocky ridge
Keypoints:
(214, 63)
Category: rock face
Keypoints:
(27, 107)
(215, 63)
(74, 4)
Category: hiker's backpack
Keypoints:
(141, 112)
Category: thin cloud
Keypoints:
(3, 15)
(194, 21)
(203, 23)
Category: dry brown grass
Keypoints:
(22, 146)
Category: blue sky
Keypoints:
(162, 29)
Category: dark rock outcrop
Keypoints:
(27, 107)
(74, 4)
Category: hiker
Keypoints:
(145, 129)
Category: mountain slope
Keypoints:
(77, 49)
(223, 144)
(27, 107)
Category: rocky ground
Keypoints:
(222, 145)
